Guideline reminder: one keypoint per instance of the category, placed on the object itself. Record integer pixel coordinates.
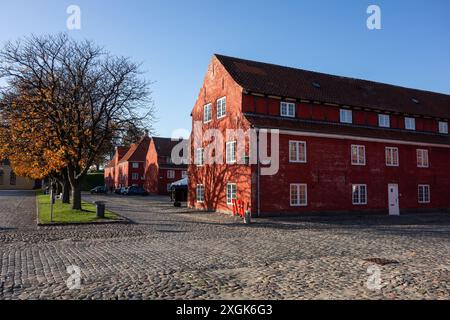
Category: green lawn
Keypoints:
(63, 213)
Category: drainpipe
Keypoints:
(258, 172)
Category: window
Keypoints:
(231, 193)
(184, 174)
(135, 165)
(207, 113)
(231, 152)
(443, 127)
(346, 116)
(135, 176)
(392, 157)
(424, 193)
(199, 157)
(221, 107)
(287, 109)
(384, 120)
(358, 155)
(170, 174)
(200, 193)
(299, 195)
(410, 123)
(422, 158)
(359, 194)
(297, 151)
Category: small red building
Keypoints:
(345, 145)
(147, 164)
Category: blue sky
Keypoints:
(176, 39)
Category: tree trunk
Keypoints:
(75, 185)
(58, 187)
(76, 195)
(65, 192)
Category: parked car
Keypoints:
(136, 191)
(98, 190)
(123, 190)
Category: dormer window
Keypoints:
(287, 109)
(443, 127)
(384, 120)
(410, 123)
(346, 116)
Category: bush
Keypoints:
(93, 180)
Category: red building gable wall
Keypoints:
(217, 84)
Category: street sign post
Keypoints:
(52, 202)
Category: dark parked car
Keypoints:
(98, 190)
(135, 191)
(117, 190)
(123, 190)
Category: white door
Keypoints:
(394, 207)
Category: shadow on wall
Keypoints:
(151, 179)
(215, 178)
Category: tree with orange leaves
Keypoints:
(65, 102)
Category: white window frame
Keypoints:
(170, 174)
(345, 116)
(231, 153)
(184, 174)
(443, 127)
(134, 176)
(423, 160)
(221, 107)
(422, 188)
(298, 201)
(135, 165)
(286, 108)
(360, 155)
(200, 190)
(207, 113)
(410, 123)
(384, 120)
(199, 157)
(231, 193)
(299, 157)
(392, 151)
(359, 201)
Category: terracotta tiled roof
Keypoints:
(164, 146)
(138, 151)
(288, 82)
(120, 152)
(271, 122)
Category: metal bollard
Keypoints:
(100, 209)
(247, 217)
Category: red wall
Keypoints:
(217, 84)
(328, 172)
(330, 175)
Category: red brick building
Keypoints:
(345, 145)
(147, 164)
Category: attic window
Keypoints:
(316, 85)
(416, 101)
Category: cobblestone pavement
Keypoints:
(170, 253)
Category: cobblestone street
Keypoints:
(176, 253)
